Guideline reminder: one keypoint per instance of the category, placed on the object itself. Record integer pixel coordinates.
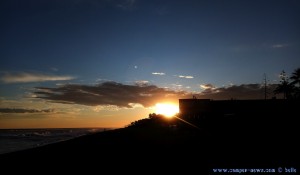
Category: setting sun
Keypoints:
(168, 110)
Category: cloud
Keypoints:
(158, 73)
(117, 95)
(106, 108)
(244, 91)
(24, 77)
(185, 76)
(161, 11)
(176, 85)
(54, 69)
(279, 45)
(125, 4)
(109, 93)
(142, 82)
(207, 86)
(20, 110)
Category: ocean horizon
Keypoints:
(12, 140)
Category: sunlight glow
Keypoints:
(166, 109)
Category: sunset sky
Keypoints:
(106, 63)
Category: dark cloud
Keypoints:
(244, 91)
(121, 95)
(20, 110)
(109, 93)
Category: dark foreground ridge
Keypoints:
(158, 144)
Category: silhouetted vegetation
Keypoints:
(154, 120)
(296, 82)
(290, 90)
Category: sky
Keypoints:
(106, 63)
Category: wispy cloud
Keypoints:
(54, 69)
(125, 4)
(279, 45)
(109, 93)
(158, 73)
(185, 76)
(20, 110)
(161, 10)
(176, 85)
(24, 77)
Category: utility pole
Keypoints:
(265, 87)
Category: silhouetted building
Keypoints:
(194, 108)
(206, 109)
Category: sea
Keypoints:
(19, 139)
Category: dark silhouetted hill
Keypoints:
(156, 144)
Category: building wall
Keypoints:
(194, 107)
(207, 107)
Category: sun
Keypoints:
(166, 109)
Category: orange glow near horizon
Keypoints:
(166, 109)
